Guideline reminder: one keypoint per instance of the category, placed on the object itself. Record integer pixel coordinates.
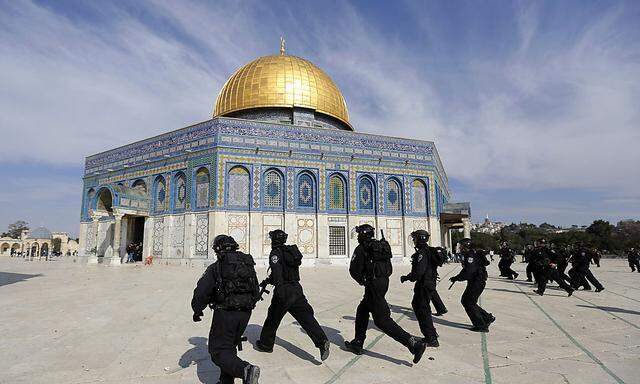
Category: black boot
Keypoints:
(251, 374)
(431, 341)
(418, 347)
(354, 346)
(324, 350)
(263, 348)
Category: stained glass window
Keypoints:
(306, 191)
(202, 188)
(366, 194)
(336, 193)
(161, 194)
(394, 196)
(272, 189)
(180, 198)
(419, 196)
(238, 187)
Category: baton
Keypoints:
(453, 282)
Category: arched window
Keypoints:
(160, 194)
(366, 194)
(180, 191)
(238, 194)
(273, 189)
(337, 196)
(202, 188)
(139, 186)
(419, 194)
(306, 191)
(105, 200)
(394, 196)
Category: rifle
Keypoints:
(263, 289)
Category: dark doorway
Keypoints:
(135, 237)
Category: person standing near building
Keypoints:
(371, 267)
(474, 272)
(288, 297)
(423, 270)
(230, 286)
(633, 257)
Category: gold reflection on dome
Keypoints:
(281, 81)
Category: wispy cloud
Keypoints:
(531, 96)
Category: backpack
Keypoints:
(292, 255)
(238, 281)
(379, 255)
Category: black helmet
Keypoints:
(278, 237)
(366, 230)
(420, 237)
(465, 243)
(224, 243)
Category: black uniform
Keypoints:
(230, 285)
(474, 271)
(436, 300)
(546, 270)
(288, 296)
(633, 257)
(580, 273)
(371, 267)
(529, 256)
(507, 258)
(423, 267)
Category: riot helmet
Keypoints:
(365, 232)
(278, 237)
(223, 243)
(420, 238)
(465, 244)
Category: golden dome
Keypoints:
(281, 81)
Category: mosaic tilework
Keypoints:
(91, 238)
(354, 199)
(202, 188)
(239, 187)
(366, 194)
(306, 236)
(158, 236)
(290, 178)
(181, 192)
(177, 236)
(272, 189)
(305, 192)
(394, 196)
(257, 172)
(337, 194)
(202, 234)
(160, 195)
(381, 193)
(321, 187)
(419, 196)
(237, 225)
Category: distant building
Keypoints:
(37, 243)
(488, 226)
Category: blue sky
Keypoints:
(534, 106)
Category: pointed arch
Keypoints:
(238, 191)
(419, 196)
(179, 191)
(337, 192)
(273, 189)
(202, 187)
(393, 196)
(160, 194)
(366, 193)
(306, 190)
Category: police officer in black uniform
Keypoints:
(633, 257)
(230, 287)
(507, 258)
(580, 272)
(547, 270)
(371, 267)
(288, 296)
(529, 257)
(437, 302)
(474, 271)
(423, 267)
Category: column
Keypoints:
(93, 247)
(116, 258)
(467, 227)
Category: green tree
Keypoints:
(15, 229)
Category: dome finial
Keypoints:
(282, 45)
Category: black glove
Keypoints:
(403, 278)
(197, 316)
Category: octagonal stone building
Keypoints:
(279, 153)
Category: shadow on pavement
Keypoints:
(253, 334)
(208, 372)
(611, 309)
(436, 320)
(7, 278)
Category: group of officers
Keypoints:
(230, 287)
(549, 263)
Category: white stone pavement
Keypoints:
(65, 323)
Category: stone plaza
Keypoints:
(65, 322)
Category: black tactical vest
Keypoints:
(378, 259)
(237, 281)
